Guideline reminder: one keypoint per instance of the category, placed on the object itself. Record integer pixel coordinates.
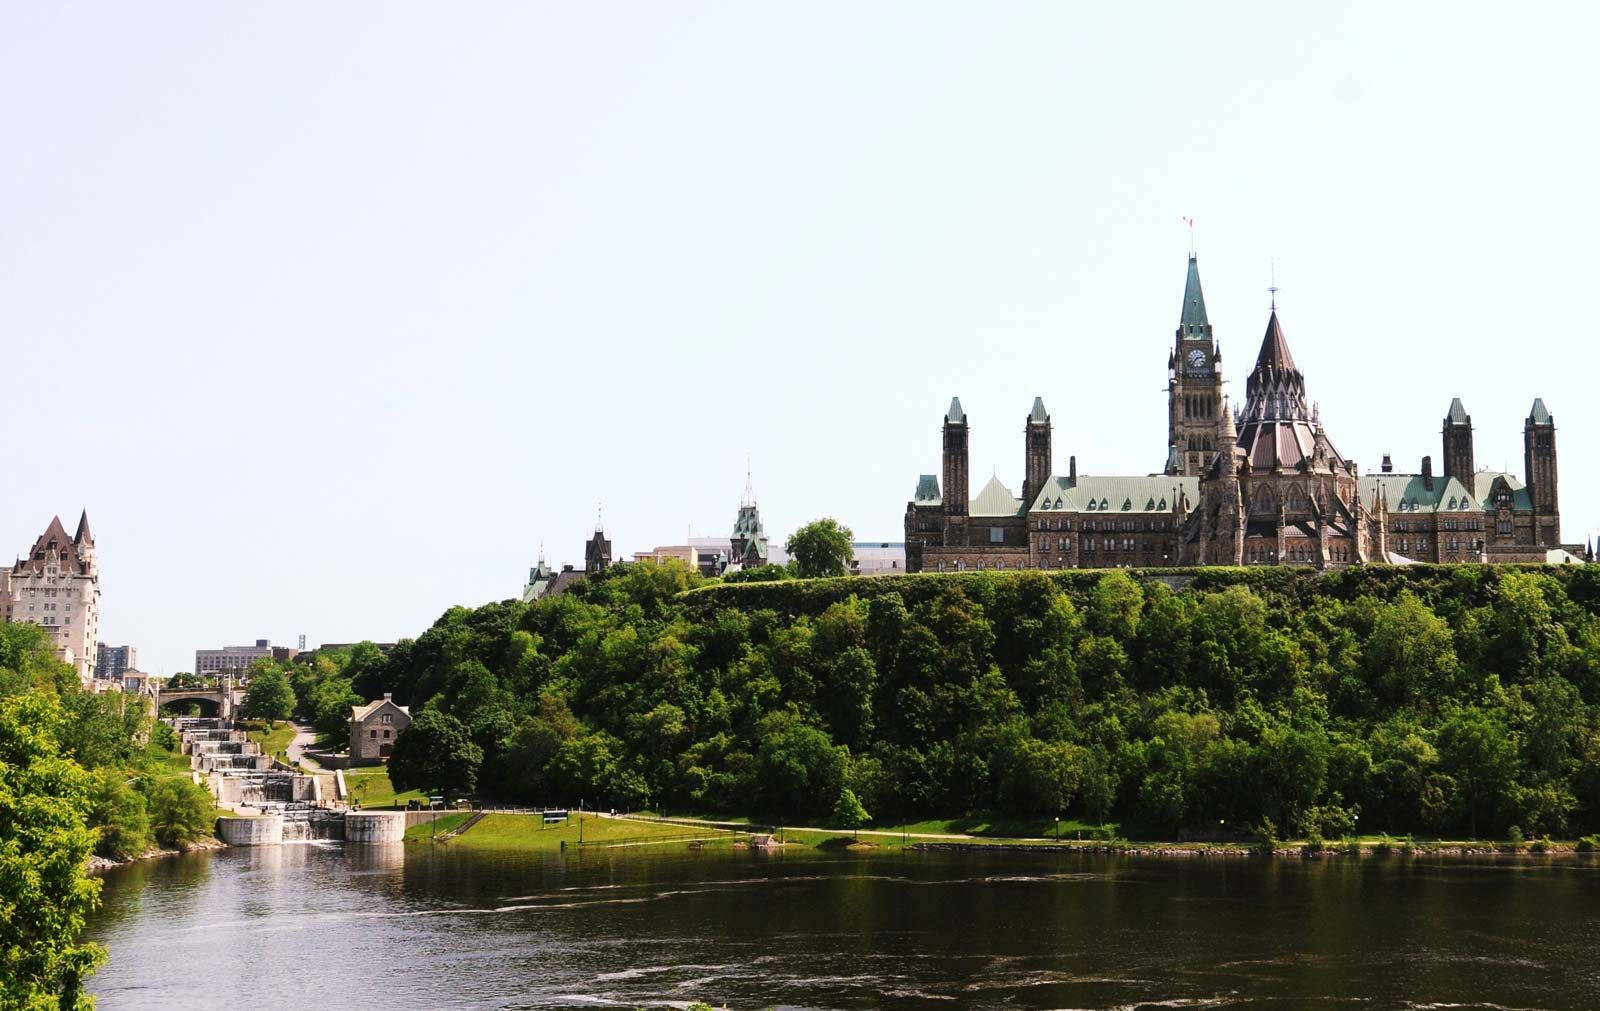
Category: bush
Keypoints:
(180, 811)
(1352, 846)
(164, 737)
(117, 810)
(1514, 836)
(1314, 842)
(1589, 844)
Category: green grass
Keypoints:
(272, 741)
(436, 826)
(371, 786)
(528, 832)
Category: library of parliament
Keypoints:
(1261, 484)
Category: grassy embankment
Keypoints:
(370, 787)
(528, 832)
(273, 742)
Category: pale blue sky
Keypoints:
(332, 313)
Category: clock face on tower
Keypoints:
(1197, 359)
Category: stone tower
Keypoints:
(955, 473)
(1539, 467)
(1194, 385)
(1036, 470)
(1458, 444)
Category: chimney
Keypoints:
(1388, 464)
(1427, 472)
(388, 696)
(1072, 472)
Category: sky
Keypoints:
(334, 315)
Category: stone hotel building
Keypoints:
(56, 586)
(1261, 484)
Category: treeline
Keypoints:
(79, 773)
(1427, 700)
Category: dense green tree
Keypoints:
(435, 753)
(44, 843)
(181, 811)
(117, 812)
(268, 696)
(821, 548)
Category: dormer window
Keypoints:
(1103, 504)
(1058, 503)
(1091, 505)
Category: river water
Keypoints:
(319, 926)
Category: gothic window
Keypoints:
(1103, 505)
(1044, 545)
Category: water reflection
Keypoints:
(318, 925)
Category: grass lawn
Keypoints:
(528, 832)
(272, 741)
(370, 785)
(446, 821)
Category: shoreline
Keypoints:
(1365, 851)
(99, 865)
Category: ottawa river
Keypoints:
(318, 926)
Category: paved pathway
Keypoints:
(304, 737)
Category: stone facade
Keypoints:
(57, 587)
(374, 728)
(1263, 485)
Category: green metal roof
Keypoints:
(1152, 494)
(1193, 322)
(995, 500)
(1038, 413)
(955, 415)
(1409, 493)
(1483, 483)
(927, 490)
(1540, 415)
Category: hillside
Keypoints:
(1420, 699)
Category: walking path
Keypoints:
(304, 737)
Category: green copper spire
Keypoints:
(1194, 323)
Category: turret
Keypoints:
(1036, 436)
(1457, 436)
(955, 459)
(1539, 469)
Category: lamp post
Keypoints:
(1058, 828)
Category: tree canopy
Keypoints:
(1428, 700)
(821, 548)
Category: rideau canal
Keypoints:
(326, 926)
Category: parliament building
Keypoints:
(1261, 484)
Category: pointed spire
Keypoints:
(955, 416)
(1274, 348)
(749, 486)
(1457, 414)
(1038, 415)
(1229, 433)
(1540, 415)
(83, 533)
(1193, 321)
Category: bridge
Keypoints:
(214, 702)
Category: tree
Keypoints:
(821, 548)
(117, 811)
(269, 696)
(181, 811)
(44, 845)
(848, 812)
(435, 753)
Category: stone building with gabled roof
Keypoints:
(374, 728)
(1263, 485)
(748, 547)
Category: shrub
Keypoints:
(1589, 844)
(180, 811)
(1514, 835)
(118, 812)
(1314, 842)
(1352, 846)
